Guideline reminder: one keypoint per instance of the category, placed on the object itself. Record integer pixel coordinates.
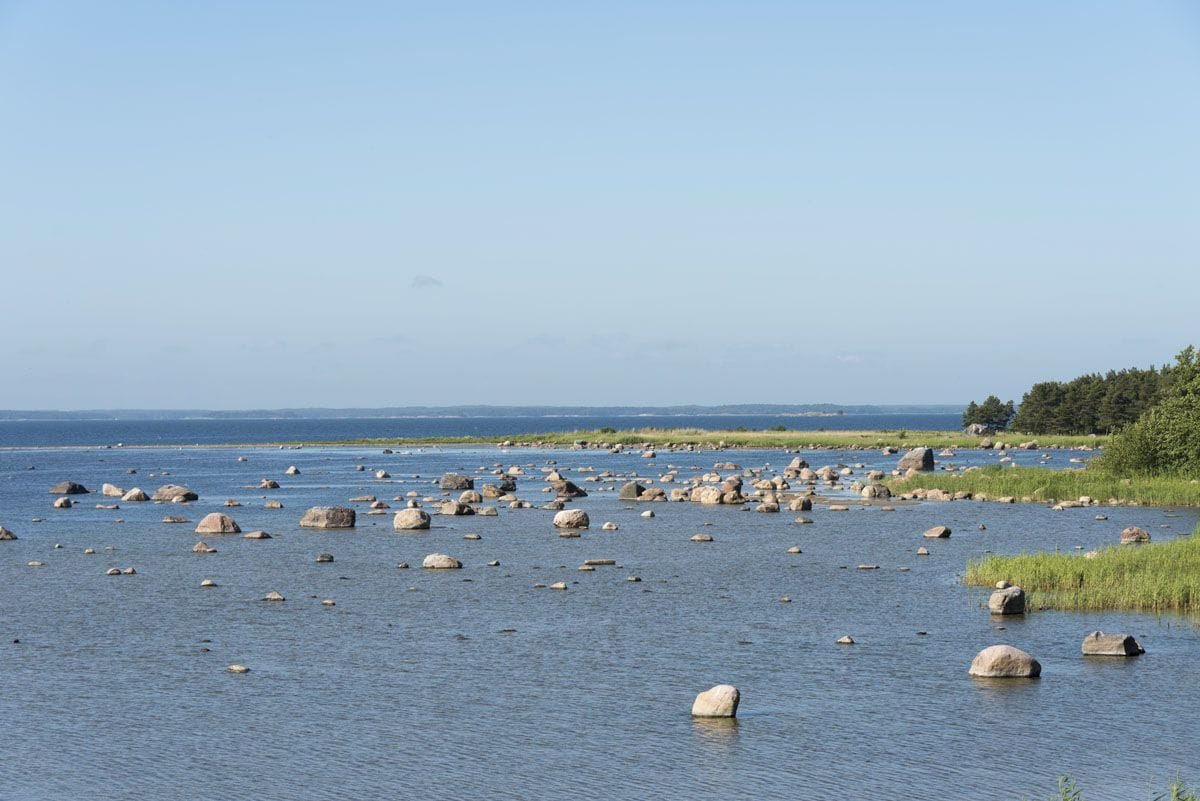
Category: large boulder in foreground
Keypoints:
(174, 493)
(1004, 662)
(571, 518)
(718, 702)
(69, 488)
(440, 561)
(411, 520)
(1100, 644)
(917, 459)
(217, 523)
(1008, 601)
(328, 517)
(453, 481)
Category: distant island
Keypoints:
(743, 409)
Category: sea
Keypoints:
(484, 683)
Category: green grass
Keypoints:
(744, 439)
(1177, 790)
(1045, 484)
(1157, 577)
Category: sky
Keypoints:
(231, 205)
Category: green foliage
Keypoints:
(991, 413)
(1091, 404)
(1166, 439)
(1177, 790)
(778, 428)
(1156, 577)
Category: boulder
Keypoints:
(217, 523)
(268, 483)
(937, 533)
(470, 496)
(1133, 534)
(5, 534)
(410, 520)
(567, 489)
(453, 481)
(135, 495)
(875, 491)
(1100, 644)
(111, 491)
(707, 495)
(62, 503)
(174, 493)
(69, 488)
(920, 459)
(571, 518)
(256, 535)
(292, 471)
(328, 517)
(631, 491)
(800, 505)
(440, 561)
(718, 702)
(1004, 662)
(273, 595)
(455, 509)
(1007, 601)
(203, 547)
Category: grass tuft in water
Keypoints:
(1155, 577)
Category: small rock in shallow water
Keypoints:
(238, 669)
(845, 639)
(273, 596)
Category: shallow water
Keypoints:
(409, 688)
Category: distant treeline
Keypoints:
(1093, 403)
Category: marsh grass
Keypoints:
(1157, 577)
(1177, 790)
(1046, 484)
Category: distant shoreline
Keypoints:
(659, 438)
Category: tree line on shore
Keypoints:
(1153, 413)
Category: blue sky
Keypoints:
(231, 205)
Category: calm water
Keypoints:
(408, 688)
(45, 433)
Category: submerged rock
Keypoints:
(328, 517)
(411, 520)
(1133, 535)
(1007, 601)
(454, 481)
(1004, 662)
(1100, 644)
(718, 702)
(217, 523)
(440, 561)
(174, 493)
(571, 518)
(69, 488)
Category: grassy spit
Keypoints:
(1046, 484)
(738, 439)
(1156, 577)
